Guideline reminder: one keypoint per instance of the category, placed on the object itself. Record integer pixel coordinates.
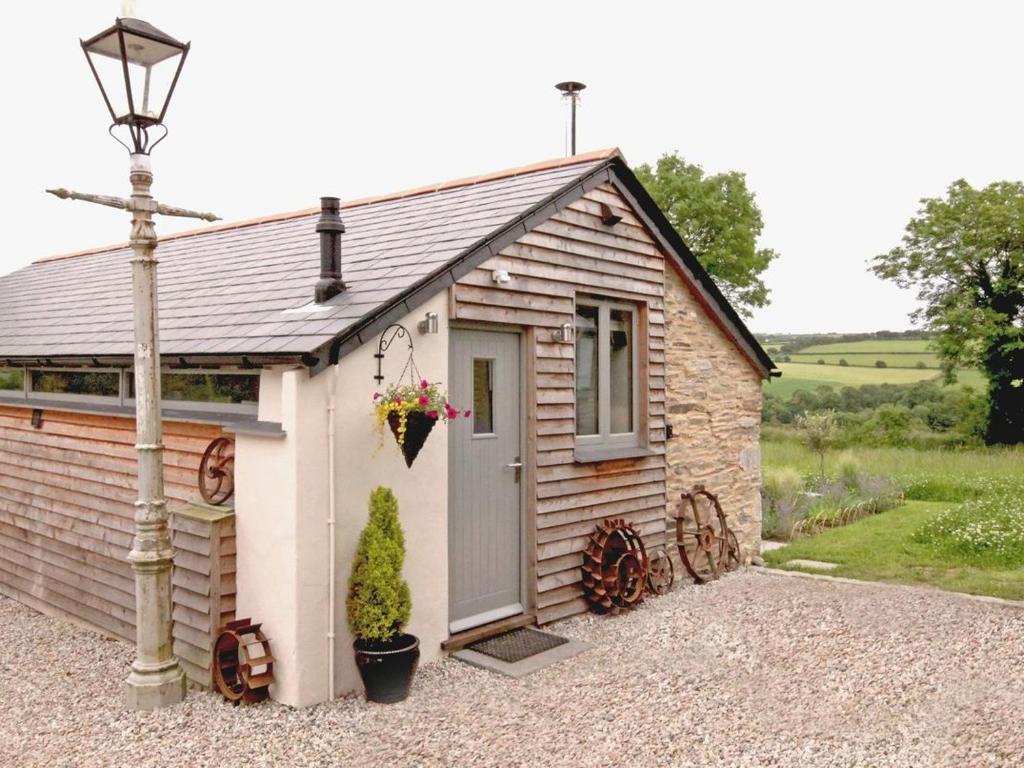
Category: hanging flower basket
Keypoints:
(417, 428)
(411, 411)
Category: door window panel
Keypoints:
(483, 396)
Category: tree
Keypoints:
(719, 220)
(820, 431)
(965, 255)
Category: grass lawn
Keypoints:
(881, 548)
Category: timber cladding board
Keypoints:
(67, 493)
(574, 253)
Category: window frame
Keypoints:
(605, 438)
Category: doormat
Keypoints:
(518, 644)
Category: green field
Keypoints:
(901, 357)
(810, 376)
(884, 345)
(867, 359)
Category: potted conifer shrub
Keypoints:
(379, 604)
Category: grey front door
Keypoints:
(485, 529)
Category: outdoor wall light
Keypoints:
(564, 333)
(136, 67)
(428, 324)
(501, 276)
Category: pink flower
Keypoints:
(450, 412)
(467, 413)
(398, 401)
(432, 414)
(424, 400)
(424, 384)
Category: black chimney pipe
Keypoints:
(331, 228)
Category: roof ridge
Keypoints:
(468, 181)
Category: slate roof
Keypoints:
(247, 288)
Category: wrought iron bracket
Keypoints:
(397, 331)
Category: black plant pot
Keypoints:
(387, 669)
(417, 427)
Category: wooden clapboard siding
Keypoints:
(203, 584)
(573, 252)
(67, 493)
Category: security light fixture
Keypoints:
(136, 67)
(564, 333)
(428, 324)
(500, 276)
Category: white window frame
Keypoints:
(605, 438)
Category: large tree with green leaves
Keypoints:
(965, 255)
(720, 222)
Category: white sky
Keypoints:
(842, 118)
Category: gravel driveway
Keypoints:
(755, 670)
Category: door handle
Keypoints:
(515, 465)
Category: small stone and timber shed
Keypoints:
(604, 370)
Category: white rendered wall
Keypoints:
(281, 511)
(422, 491)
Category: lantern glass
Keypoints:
(136, 66)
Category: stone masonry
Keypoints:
(713, 402)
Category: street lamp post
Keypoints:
(137, 67)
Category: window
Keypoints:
(12, 379)
(198, 390)
(74, 384)
(233, 388)
(483, 396)
(607, 404)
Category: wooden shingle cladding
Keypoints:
(571, 254)
(67, 493)
(202, 585)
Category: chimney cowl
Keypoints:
(331, 228)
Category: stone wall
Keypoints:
(714, 407)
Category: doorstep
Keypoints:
(462, 639)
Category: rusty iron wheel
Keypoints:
(614, 567)
(217, 471)
(661, 573)
(707, 547)
(243, 667)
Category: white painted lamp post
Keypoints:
(137, 67)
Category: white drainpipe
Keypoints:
(330, 533)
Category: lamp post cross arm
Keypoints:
(127, 204)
